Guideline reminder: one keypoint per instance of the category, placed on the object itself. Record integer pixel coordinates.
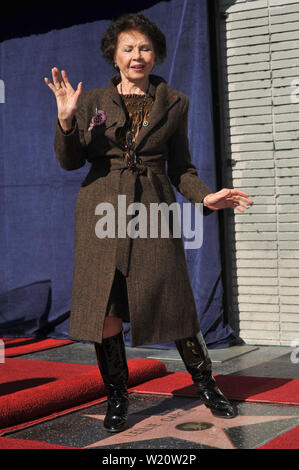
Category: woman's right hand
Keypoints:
(66, 96)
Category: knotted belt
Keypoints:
(128, 187)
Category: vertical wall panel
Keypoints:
(259, 57)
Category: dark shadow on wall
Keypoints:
(225, 162)
(32, 18)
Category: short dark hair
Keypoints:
(133, 21)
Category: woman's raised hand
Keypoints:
(66, 96)
(228, 198)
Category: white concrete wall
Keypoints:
(260, 61)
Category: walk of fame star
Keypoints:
(196, 425)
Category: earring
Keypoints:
(115, 66)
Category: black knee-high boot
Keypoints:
(196, 358)
(111, 356)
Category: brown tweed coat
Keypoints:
(160, 297)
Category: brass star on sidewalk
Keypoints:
(196, 425)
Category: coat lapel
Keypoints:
(164, 100)
(116, 115)
(112, 105)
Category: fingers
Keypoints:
(66, 80)
(238, 195)
(240, 199)
(58, 82)
(232, 198)
(233, 192)
(238, 192)
(61, 81)
(236, 203)
(243, 205)
(79, 89)
(50, 85)
(57, 79)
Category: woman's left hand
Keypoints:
(228, 198)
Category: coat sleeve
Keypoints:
(181, 172)
(70, 146)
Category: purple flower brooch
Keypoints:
(98, 119)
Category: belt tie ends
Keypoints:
(128, 178)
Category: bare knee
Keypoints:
(112, 326)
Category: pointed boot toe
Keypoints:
(117, 411)
(214, 399)
(195, 356)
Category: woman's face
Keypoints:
(134, 55)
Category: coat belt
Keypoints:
(128, 186)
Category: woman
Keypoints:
(127, 131)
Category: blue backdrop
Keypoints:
(37, 196)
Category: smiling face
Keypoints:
(134, 56)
